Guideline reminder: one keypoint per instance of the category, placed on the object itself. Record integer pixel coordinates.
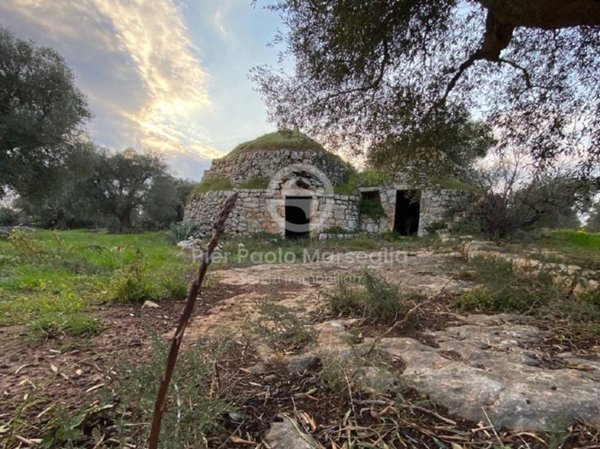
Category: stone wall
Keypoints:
(437, 206)
(245, 166)
(251, 213)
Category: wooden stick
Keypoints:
(194, 291)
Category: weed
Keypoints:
(506, 290)
(193, 408)
(181, 231)
(374, 299)
(133, 283)
(57, 324)
(279, 326)
(337, 373)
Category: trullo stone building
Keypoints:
(287, 185)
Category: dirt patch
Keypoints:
(67, 370)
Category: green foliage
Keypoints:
(41, 113)
(279, 326)
(284, 139)
(371, 207)
(192, 410)
(181, 231)
(412, 84)
(370, 177)
(9, 216)
(255, 183)
(374, 299)
(506, 290)
(122, 181)
(134, 283)
(55, 276)
(165, 201)
(213, 184)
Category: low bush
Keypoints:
(504, 289)
(374, 299)
(133, 283)
(279, 326)
(371, 207)
(181, 231)
(193, 408)
(58, 324)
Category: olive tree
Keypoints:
(368, 72)
(41, 111)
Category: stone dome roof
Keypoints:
(280, 140)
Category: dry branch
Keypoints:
(194, 291)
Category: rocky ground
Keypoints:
(471, 378)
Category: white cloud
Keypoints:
(151, 86)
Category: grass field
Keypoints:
(48, 279)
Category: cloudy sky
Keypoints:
(168, 75)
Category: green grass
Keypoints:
(288, 140)
(213, 184)
(505, 289)
(48, 279)
(570, 246)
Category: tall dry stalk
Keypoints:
(194, 291)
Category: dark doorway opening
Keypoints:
(408, 207)
(297, 216)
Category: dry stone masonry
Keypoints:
(329, 213)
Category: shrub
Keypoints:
(374, 298)
(506, 290)
(193, 408)
(371, 207)
(9, 216)
(279, 326)
(181, 231)
(133, 283)
(368, 178)
(212, 184)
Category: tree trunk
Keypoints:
(125, 220)
(546, 14)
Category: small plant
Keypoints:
(374, 299)
(133, 283)
(506, 290)
(338, 373)
(181, 231)
(122, 411)
(279, 326)
(370, 206)
(213, 184)
(54, 325)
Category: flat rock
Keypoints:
(288, 435)
(301, 364)
(494, 367)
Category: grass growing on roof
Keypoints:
(289, 140)
(213, 184)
